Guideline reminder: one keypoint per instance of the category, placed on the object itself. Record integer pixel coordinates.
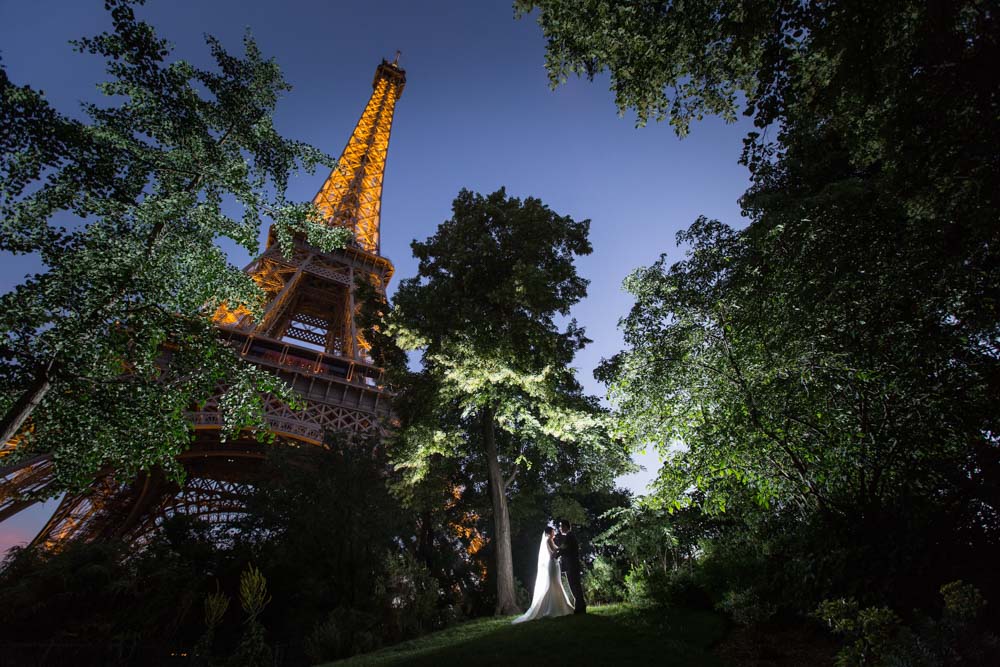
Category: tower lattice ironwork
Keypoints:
(307, 335)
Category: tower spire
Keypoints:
(352, 194)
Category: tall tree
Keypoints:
(135, 275)
(496, 376)
(841, 351)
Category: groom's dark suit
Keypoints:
(569, 560)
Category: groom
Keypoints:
(569, 560)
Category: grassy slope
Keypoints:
(610, 635)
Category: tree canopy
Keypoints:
(103, 353)
(496, 377)
(482, 309)
(838, 356)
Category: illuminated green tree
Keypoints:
(496, 381)
(124, 209)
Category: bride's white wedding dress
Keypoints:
(549, 598)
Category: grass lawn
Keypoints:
(608, 635)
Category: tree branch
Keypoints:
(510, 480)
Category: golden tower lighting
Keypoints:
(307, 336)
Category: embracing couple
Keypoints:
(550, 597)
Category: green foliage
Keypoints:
(646, 534)
(496, 389)
(345, 632)
(833, 366)
(962, 602)
(253, 650)
(747, 608)
(102, 599)
(113, 340)
(848, 192)
(877, 636)
(216, 606)
(332, 538)
(343, 575)
(413, 593)
(253, 592)
(637, 587)
(671, 60)
(482, 310)
(523, 595)
(603, 583)
(716, 361)
(652, 557)
(342, 490)
(569, 508)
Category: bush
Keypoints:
(962, 602)
(331, 598)
(252, 650)
(685, 588)
(746, 608)
(637, 588)
(877, 636)
(521, 594)
(412, 596)
(344, 633)
(645, 587)
(603, 584)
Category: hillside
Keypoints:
(608, 635)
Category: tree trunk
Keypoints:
(506, 599)
(425, 539)
(24, 406)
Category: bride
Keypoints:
(549, 598)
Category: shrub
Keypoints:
(637, 589)
(521, 594)
(746, 607)
(685, 588)
(962, 602)
(877, 636)
(344, 632)
(646, 587)
(603, 584)
(253, 650)
(216, 605)
(412, 596)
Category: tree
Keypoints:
(319, 523)
(104, 352)
(840, 353)
(895, 103)
(323, 519)
(496, 375)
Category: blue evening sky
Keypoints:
(477, 112)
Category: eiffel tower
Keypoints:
(307, 335)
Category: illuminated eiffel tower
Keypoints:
(307, 336)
